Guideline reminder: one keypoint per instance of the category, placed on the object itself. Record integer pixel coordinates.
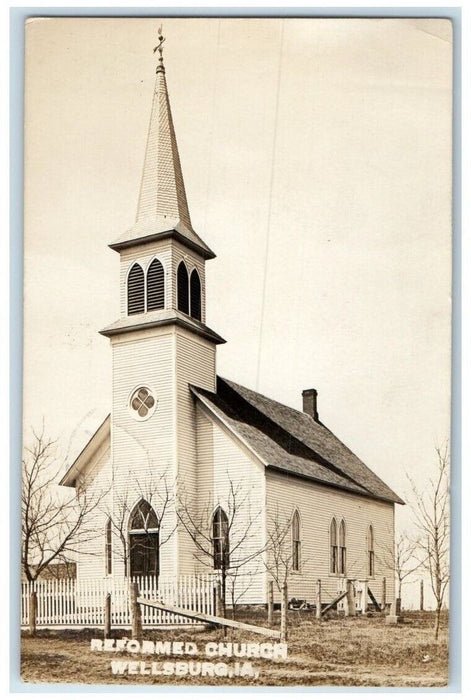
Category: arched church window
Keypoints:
(296, 541)
(342, 548)
(333, 547)
(136, 290)
(195, 295)
(220, 537)
(371, 551)
(144, 540)
(182, 288)
(155, 286)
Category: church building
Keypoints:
(199, 473)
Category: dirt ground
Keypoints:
(361, 651)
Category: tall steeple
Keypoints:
(162, 258)
(162, 192)
(162, 208)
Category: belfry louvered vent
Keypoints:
(136, 290)
(195, 295)
(155, 286)
(182, 284)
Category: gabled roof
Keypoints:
(282, 438)
(91, 448)
(291, 441)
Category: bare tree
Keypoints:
(403, 558)
(431, 509)
(279, 551)
(153, 488)
(54, 524)
(225, 537)
(283, 555)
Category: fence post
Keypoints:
(350, 607)
(218, 599)
(284, 613)
(107, 625)
(33, 611)
(421, 602)
(270, 603)
(318, 599)
(363, 596)
(135, 612)
(383, 595)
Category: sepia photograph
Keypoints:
(237, 352)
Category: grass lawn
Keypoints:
(361, 651)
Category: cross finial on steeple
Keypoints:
(159, 48)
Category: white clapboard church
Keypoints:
(180, 439)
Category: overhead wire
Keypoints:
(270, 205)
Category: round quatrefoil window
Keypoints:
(142, 403)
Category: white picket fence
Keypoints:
(71, 602)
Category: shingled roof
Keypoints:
(291, 441)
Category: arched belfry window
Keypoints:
(136, 290)
(333, 547)
(296, 541)
(342, 548)
(371, 551)
(144, 540)
(195, 295)
(108, 548)
(155, 286)
(182, 288)
(220, 538)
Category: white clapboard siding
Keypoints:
(195, 364)
(143, 451)
(90, 556)
(70, 602)
(222, 460)
(317, 505)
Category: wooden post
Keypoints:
(270, 603)
(363, 596)
(421, 603)
(135, 612)
(350, 607)
(33, 612)
(218, 599)
(318, 599)
(398, 606)
(107, 625)
(383, 595)
(284, 613)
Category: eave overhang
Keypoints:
(160, 228)
(160, 319)
(330, 485)
(92, 446)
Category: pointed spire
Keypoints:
(162, 192)
(162, 209)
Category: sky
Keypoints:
(316, 155)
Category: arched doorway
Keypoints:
(144, 541)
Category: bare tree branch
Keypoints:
(240, 536)
(53, 524)
(431, 511)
